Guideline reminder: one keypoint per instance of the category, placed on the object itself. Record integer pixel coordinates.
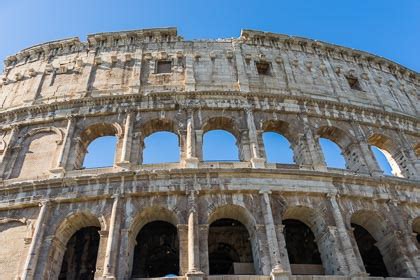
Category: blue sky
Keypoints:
(383, 27)
(387, 28)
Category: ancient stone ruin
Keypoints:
(197, 219)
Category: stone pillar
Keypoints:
(243, 80)
(34, 90)
(279, 270)
(194, 272)
(204, 247)
(256, 161)
(343, 235)
(199, 144)
(111, 255)
(87, 73)
(65, 147)
(28, 271)
(183, 248)
(7, 162)
(135, 79)
(312, 154)
(127, 141)
(189, 73)
(190, 161)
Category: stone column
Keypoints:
(189, 73)
(279, 270)
(199, 144)
(7, 162)
(127, 141)
(204, 248)
(243, 80)
(28, 271)
(194, 272)
(183, 248)
(343, 235)
(111, 255)
(312, 154)
(65, 147)
(190, 161)
(256, 161)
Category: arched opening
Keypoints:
(161, 147)
(371, 256)
(229, 247)
(332, 154)
(79, 261)
(277, 148)
(220, 145)
(100, 152)
(416, 229)
(97, 146)
(157, 251)
(302, 249)
(385, 161)
(386, 154)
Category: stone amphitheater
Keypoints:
(249, 219)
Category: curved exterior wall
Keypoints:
(57, 97)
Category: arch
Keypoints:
(416, 229)
(63, 233)
(161, 147)
(333, 155)
(93, 132)
(343, 142)
(157, 125)
(390, 151)
(369, 228)
(314, 220)
(278, 132)
(39, 147)
(302, 248)
(243, 216)
(229, 248)
(99, 153)
(79, 260)
(222, 123)
(156, 253)
(226, 129)
(146, 216)
(220, 145)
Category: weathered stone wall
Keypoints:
(58, 97)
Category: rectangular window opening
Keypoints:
(354, 83)
(164, 66)
(263, 68)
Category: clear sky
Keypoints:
(389, 28)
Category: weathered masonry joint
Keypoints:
(194, 219)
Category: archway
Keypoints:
(386, 154)
(100, 152)
(371, 256)
(161, 147)
(302, 249)
(157, 251)
(277, 148)
(230, 250)
(220, 145)
(332, 154)
(416, 229)
(79, 261)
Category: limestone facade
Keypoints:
(57, 97)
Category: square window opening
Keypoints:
(263, 68)
(354, 83)
(164, 66)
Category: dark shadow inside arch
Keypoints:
(302, 249)
(371, 256)
(79, 261)
(229, 248)
(157, 251)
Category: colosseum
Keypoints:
(196, 219)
